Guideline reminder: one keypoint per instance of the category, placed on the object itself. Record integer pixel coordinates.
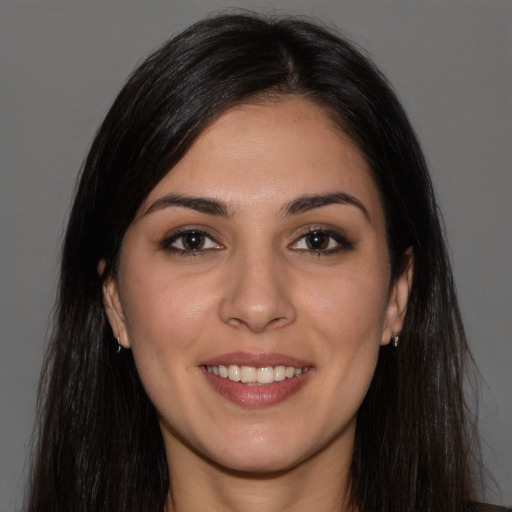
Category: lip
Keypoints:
(256, 395)
(256, 359)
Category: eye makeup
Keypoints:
(190, 242)
(322, 241)
(315, 240)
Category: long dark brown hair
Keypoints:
(99, 446)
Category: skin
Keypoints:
(257, 286)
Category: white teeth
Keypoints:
(248, 374)
(251, 374)
(223, 371)
(265, 375)
(234, 372)
(279, 373)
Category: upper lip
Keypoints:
(255, 359)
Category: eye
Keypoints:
(321, 241)
(190, 241)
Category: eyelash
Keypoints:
(167, 244)
(342, 243)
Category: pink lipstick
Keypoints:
(256, 379)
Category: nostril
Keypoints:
(256, 300)
(255, 326)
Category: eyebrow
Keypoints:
(310, 202)
(218, 208)
(200, 204)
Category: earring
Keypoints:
(395, 339)
(119, 347)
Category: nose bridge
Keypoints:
(256, 295)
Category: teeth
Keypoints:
(248, 374)
(253, 375)
(265, 375)
(234, 373)
(280, 373)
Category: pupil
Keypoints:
(317, 241)
(193, 241)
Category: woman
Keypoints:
(255, 307)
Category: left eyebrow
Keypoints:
(305, 203)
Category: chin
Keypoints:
(259, 456)
(260, 465)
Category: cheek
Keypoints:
(348, 305)
(165, 314)
(347, 312)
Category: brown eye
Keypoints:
(317, 240)
(193, 241)
(322, 242)
(190, 242)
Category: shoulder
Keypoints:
(484, 507)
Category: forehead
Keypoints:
(268, 153)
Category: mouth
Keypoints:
(256, 375)
(256, 380)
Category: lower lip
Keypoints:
(256, 395)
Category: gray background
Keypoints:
(61, 64)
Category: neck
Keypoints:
(320, 483)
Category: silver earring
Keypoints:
(119, 347)
(395, 339)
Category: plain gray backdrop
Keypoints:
(61, 63)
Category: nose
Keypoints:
(257, 294)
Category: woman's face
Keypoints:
(261, 256)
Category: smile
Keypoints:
(255, 375)
(257, 386)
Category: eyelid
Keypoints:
(341, 239)
(337, 235)
(178, 233)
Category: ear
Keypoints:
(398, 299)
(114, 310)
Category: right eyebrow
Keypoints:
(199, 204)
